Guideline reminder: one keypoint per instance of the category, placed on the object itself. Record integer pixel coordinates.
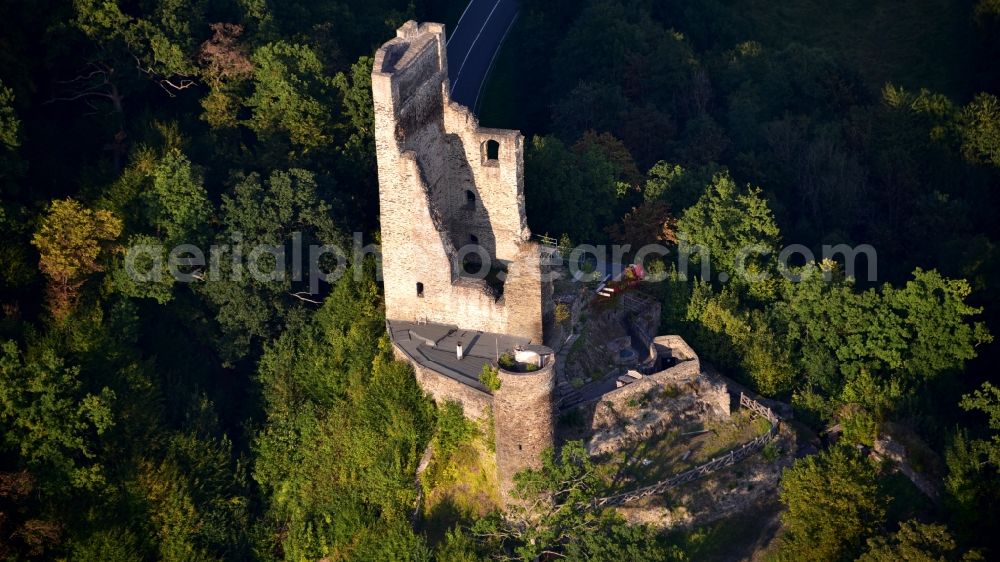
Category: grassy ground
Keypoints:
(741, 537)
(674, 452)
(460, 488)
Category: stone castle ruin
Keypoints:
(444, 184)
(452, 201)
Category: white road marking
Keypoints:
(458, 75)
(462, 17)
(489, 69)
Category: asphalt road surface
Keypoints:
(474, 45)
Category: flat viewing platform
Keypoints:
(434, 346)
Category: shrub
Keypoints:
(490, 377)
(507, 361)
(562, 313)
(453, 428)
(770, 452)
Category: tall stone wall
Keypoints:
(524, 424)
(476, 404)
(444, 183)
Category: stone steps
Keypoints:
(570, 399)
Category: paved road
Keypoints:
(474, 44)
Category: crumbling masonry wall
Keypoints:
(647, 405)
(445, 183)
(447, 186)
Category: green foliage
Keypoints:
(345, 429)
(178, 204)
(866, 402)
(973, 480)
(49, 420)
(987, 400)
(561, 313)
(736, 227)
(833, 503)
(192, 499)
(980, 129)
(70, 242)
(356, 96)
(112, 135)
(291, 97)
(555, 500)
(490, 377)
(916, 542)
(111, 545)
(162, 43)
(919, 332)
(10, 126)
(268, 213)
(672, 183)
(770, 452)
(570, 191)
(975, 128)
(457, 546)
(507, 361)
(453, 429)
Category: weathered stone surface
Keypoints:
(647, 406)
(440, 191)
(442, 388)
(523, 421)
(445, 186)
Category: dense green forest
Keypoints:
(242, 419)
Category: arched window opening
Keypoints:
(470, 198)
(473, 239)
(491, 152)
(420, 290)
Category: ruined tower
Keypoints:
(446, 184)
(452, 205)
(523, 413)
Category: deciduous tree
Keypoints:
(736, 226)
(50, 421)
(70, 242)
(833, 503)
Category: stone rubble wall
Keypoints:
(677, 395)
(647, 407)
(716, 464)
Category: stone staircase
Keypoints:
(566, 395)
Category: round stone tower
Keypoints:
(524, 417)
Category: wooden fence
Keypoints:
(700, 471)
